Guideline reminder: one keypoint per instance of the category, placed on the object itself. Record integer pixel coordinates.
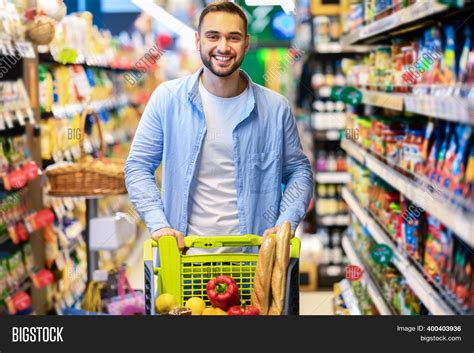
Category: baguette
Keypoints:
(280, 269)
(263, 273)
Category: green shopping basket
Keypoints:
(186, 276)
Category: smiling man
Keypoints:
(227, 145)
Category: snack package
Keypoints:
(427, 145)
(462, 284)
(433, 248)
(438, 137)
(464, 58)
(448, 135)
(445, 258)
(458, 166)
(412, 229)
(449, 57)
(468, 190)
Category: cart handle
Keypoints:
(194, 241)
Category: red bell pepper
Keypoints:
(223, 292)
(243, 310)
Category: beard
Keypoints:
(207, 61)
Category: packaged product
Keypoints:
(458, 167)
(28, 259)
(441, 158)
(468, 190)
(433, 248)
(412, 229)
(462, 282)
(3, 277)
(449, 57)
(464, 58)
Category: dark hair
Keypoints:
(223, 6)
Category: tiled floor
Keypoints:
(316, 303)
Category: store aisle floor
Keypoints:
(316, 303)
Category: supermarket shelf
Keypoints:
(62, 111)
(451, 108)
(374, 293)
(337, 48)
(47, 57)
(326, 121)
(454, 217)
(332, 177)
(403, 18)
(334, 220)
(328, 135)
(417, 282)
(384, 100)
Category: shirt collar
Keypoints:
(195, 97)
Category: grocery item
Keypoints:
(197, 305)
(223, 292)
(213, 312)
(280, 269)
(244, 310)
(263, 275)
(165, 303)
(180, 312)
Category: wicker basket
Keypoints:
(97, 177)
(42, 30)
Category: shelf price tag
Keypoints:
(382, 254)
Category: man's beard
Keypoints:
(207, 63)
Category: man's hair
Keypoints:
(223, 6)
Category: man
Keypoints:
(227, 145)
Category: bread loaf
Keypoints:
(280, 269)
(263, 275)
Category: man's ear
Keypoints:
(197, 38)
(247, 42)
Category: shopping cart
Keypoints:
(186, 276)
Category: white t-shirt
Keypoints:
(213, 197)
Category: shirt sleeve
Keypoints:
(297, 174)
(144, 158)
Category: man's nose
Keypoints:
(223, 45)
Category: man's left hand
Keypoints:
(275, 230)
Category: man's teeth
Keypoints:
(222, 58)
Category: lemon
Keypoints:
(165, 303)
(219, 312)
(213, 312)
(197, 305)
(208, 311)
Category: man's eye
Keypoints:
(212, 37)
(234, 38)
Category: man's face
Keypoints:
(222, 42)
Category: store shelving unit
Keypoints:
(332, 177)
(448, 107)
(415, 279)
(366, 279)
(404, 18)
(454, 217)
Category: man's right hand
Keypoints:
(169, 231)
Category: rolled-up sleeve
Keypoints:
(297, 175)
(144, 158)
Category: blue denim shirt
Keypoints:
(267, 154)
